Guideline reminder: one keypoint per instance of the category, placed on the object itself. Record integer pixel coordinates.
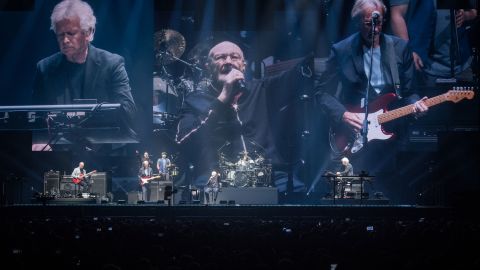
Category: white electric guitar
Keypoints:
(346, 142)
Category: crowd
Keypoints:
(239, 243)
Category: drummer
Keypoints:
(163, 164)
(245, 163)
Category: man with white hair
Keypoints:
(212, 187)
(80, 70)
(347, 168)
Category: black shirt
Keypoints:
(209, 127)
(74, 82)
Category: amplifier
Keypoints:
(67, 188)
(101, 183)
(134, 196)
(160, 190)
(51, 180)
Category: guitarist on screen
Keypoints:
(81, 177)
(367, 60)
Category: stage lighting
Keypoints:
(304, 97)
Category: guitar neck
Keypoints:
(409, 109)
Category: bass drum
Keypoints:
(242, 179)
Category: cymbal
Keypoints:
(168, 46)
(199, 53)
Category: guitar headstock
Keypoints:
(459, 93)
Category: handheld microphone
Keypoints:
(375, 16)
(240, 83)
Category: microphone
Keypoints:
(375, 16)
(240, 83)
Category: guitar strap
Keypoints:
(390, 51)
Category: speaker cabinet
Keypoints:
(101, 183)
(160, 190)
(134, 196)
(67, 188)
(51, 183)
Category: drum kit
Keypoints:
(169, 91)
(246, 172)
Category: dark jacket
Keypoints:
(105, 80)
(208, 127)
(345, 65)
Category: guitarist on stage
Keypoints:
(80, 174)
(145, 172)
(350, 62)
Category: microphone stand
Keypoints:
(369, 86)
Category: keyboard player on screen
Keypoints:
(79, 70)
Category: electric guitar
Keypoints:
(145, 180)
(82, 176)
(346, 142)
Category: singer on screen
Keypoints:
(231, 114)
